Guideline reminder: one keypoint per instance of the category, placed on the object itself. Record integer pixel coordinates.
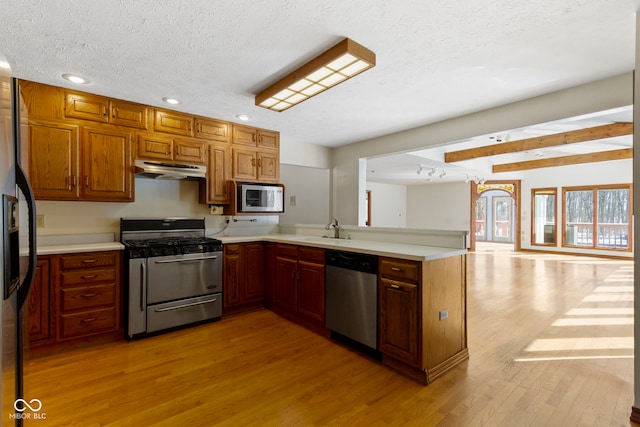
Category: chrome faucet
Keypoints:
(336, 228)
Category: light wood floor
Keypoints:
(550, 342)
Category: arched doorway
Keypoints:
(495, 213)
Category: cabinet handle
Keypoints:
(394, 286)
(86, 181)
(104, 110)
(89, 276)
(89, 261)
(253, 163)
(93, 319)
(253, 137)
(114, 112)
(259, 163)
(396, 269)
(72, 181)
(91, 295)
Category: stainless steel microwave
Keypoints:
(260, 198)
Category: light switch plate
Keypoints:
(444, 314)
(39, 221)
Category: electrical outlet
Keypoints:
(39, 221)
(444, 314)
(292, 201)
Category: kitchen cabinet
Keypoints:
(97, 167)
(243, 282)
(173, 122)
(38, 314)
(175, 150)
(215, 189)
(299, 281)
(252, 165)
(255, 154)
(422, 315)
(88, 294)
(97, 108)
(214, 130)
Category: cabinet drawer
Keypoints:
(80, 277)
(232, 249)
(287, 251)
(87, 323)
(87, 260)
(313, 255)
(86, 297)
(400, 269)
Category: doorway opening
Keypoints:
(495, 214)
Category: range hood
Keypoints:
(160, 170)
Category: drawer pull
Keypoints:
(394, 286)
(89, 261)
(91, 295)
(396, 269)
(93, 319)
(89, 276)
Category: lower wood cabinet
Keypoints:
(422, 312)
(244, 276)
(299, 281)
(75, 295)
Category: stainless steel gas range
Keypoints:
(173, 274)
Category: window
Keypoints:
(598, 217)
(543, 225)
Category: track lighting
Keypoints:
(442, 174)
(433, 171)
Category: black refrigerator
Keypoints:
(18, 261)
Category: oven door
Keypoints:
(176, 277)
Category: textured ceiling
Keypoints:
(436, 59)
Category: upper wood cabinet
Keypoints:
(215, 189)
(254, 137)
(214, 130)
(173, 122)
(175, 150)
(102, 109)
(67, 164)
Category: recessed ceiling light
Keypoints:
(171, 101)
(242, 117)
(4, 64)
(74, 78)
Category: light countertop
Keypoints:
(74, 243)
(389, 249)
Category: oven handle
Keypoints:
(185, 260)
(159, 310)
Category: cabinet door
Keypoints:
(38, 306)
(232, 275)
(398, 312)
(268, 166)
(192, 152)
(218, 174)
(254, 269)
(244, 135)
(155, 147)
(311, 291)
(214, 130)
(173, 122)
(128, 114)
(53, 161)
(107, 165)
(268, 139)
(86, 106)
(244, 164)
(286, 292)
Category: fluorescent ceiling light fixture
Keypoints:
(336, 65)
(171, 101)
(74, 78)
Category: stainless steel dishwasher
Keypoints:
(351, 292)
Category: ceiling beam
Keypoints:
(601, 156)
(571, 137)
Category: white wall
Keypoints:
(585, 99)
(308, 189)
(439, 206)
(388, 205)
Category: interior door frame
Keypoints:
(513, 188)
